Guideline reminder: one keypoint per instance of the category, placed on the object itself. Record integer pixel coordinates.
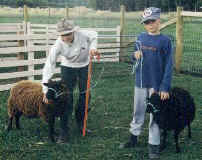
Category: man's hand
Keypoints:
(137, 54)
(164, 95)
(94, 52)
(45, 100)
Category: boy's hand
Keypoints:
(164, 95)
(137, 54)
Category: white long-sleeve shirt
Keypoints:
(75, 54)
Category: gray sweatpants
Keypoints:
(139, 115)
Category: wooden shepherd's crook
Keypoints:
(88, 92)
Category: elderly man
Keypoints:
(74, 46)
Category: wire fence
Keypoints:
(192, 55)
(84, 16)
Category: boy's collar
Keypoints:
(154, 34)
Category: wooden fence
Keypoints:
(22, 44)
(179, 34)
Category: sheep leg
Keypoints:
(163, 145)
(176, 141)
(189, 130)
(10, 122)
(17, 120)
(51, 122)
(38, 131)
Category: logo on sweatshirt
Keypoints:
(149, 48)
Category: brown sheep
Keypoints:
(26, 98)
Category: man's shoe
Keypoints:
(64, 136)
(131, 143)
(154, 151)
(62, 140)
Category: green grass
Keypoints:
(112, 106)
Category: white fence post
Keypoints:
(118, 31)
(47, 40)
(30, 54)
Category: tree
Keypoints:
(113, 5)
(129, 4)
(141, 4)
(92, 4)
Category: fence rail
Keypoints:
(26, 45)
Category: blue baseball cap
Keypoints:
(151, 13)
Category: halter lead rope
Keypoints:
(140, 60)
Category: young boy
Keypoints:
(153, 74)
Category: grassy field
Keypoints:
(112, 106)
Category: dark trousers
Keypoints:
(72, 76)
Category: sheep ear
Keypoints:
(62, 82)
(50, 81)
(45, 84)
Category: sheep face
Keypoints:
(153, 104)
(55, 90)
(157, 108)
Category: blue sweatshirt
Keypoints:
(155, 67)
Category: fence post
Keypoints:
(49, 12)
(30, 54)
(179, 39)
(22, 43)
(122, 27)
(26, 17)
(67, 13)
(118, 43)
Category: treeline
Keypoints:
(44, 3)
(136, 5)
(113, 5)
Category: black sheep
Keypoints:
(173, 114)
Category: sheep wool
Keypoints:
(26, 98)
(174, 114)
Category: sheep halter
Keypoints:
(155, 110)
(57, 94)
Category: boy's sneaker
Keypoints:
(154, 151)
(131, 143)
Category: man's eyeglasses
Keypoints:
(150, 21)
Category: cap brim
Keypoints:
(76, 28)
(149, 18)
